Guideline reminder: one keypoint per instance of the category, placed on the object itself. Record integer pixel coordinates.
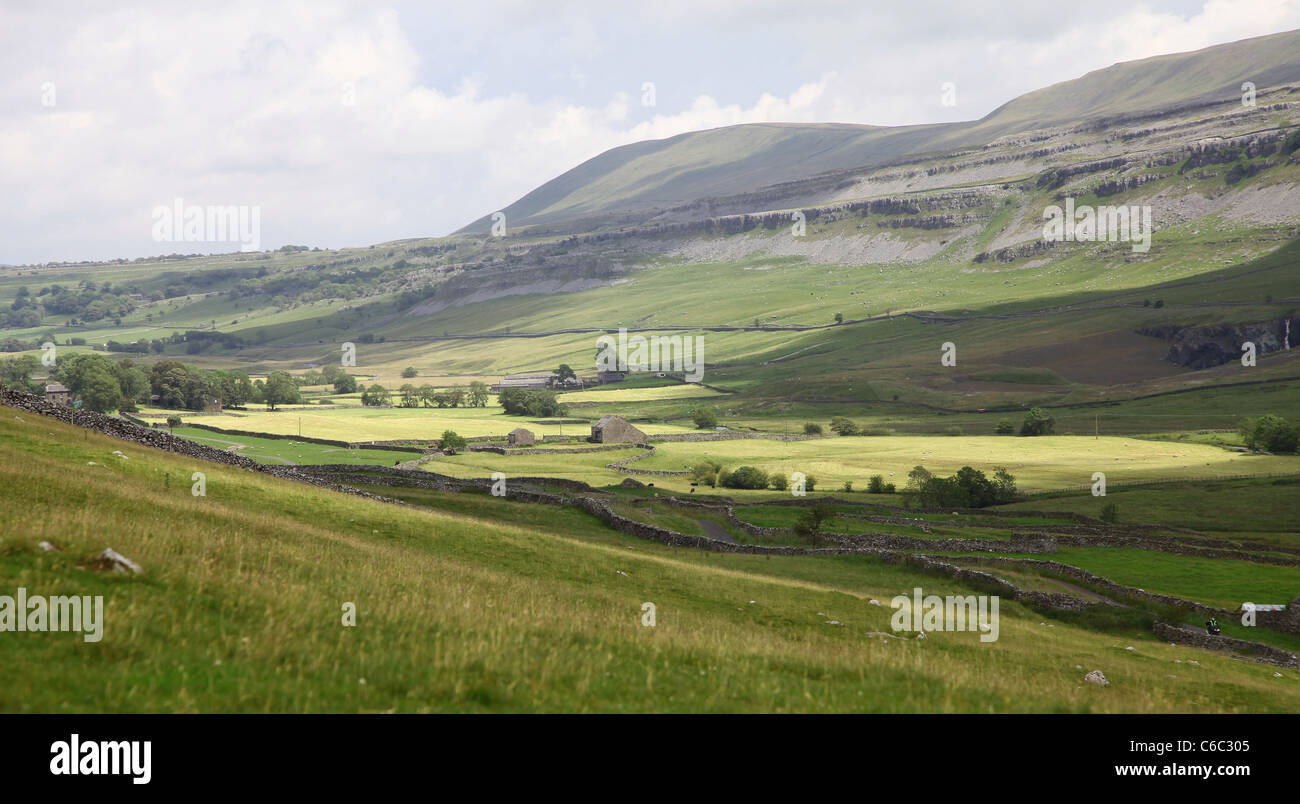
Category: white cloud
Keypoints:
(243, 103)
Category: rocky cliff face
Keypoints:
(1206, 347)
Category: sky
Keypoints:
(347, 123)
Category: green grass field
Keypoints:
(495, 609)
(279, 451)
(358, 424)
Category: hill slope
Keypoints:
(659, 174)
(240, 607)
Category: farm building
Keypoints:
(612, 429)
(532, 381)
(58, 393)
(519, 437)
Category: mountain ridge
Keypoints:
(650, 176)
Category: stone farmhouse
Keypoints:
(519, 437)
(58, 393)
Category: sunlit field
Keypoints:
(356, 424)
(498, 607)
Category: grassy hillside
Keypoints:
(702, 164)
(496, 606)
(738, 159)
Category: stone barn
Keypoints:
(519, 437)
(616, 430)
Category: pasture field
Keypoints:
(280, 451)
(357, 424)
(1042, 462)
(1262, 509)
(504, 610)
(1222, 582)
(614, 394)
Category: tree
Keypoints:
(450, 442)
(15, 372)
(978, 489)
(843, 426)
(839, 318)
(410, 396)
(811, 519)
(705, 471)
(427, 395)
(98, 381)
(375, 396)
(280, 390)
(778, 481)
(876, 484)
(1004, 484)
(478, 394)
(99, 389)
(134, 384)
(704, 418)
(812, 428)
(563, 373)
(409, 372)
(1269, 433)
(236, 388)
(1037, 422)
(522, 402)
(916, 480)
(345, 384)
(1005, 427)
(745, 477)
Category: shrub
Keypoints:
(809, 483)
(812, 428)
(876, 485)
(375, 396)
(173, 421)
(953, 431)
(1269, 433)
(704, 418)
(1110, 513)
(706, 471)
(1005, 427)
(778, 481)
(745, 477)
(843, 426)
(523, 402)
(810, 522)
(1037, 422)
(848, 486)
(451, 442)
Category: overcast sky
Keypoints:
(350, 123)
